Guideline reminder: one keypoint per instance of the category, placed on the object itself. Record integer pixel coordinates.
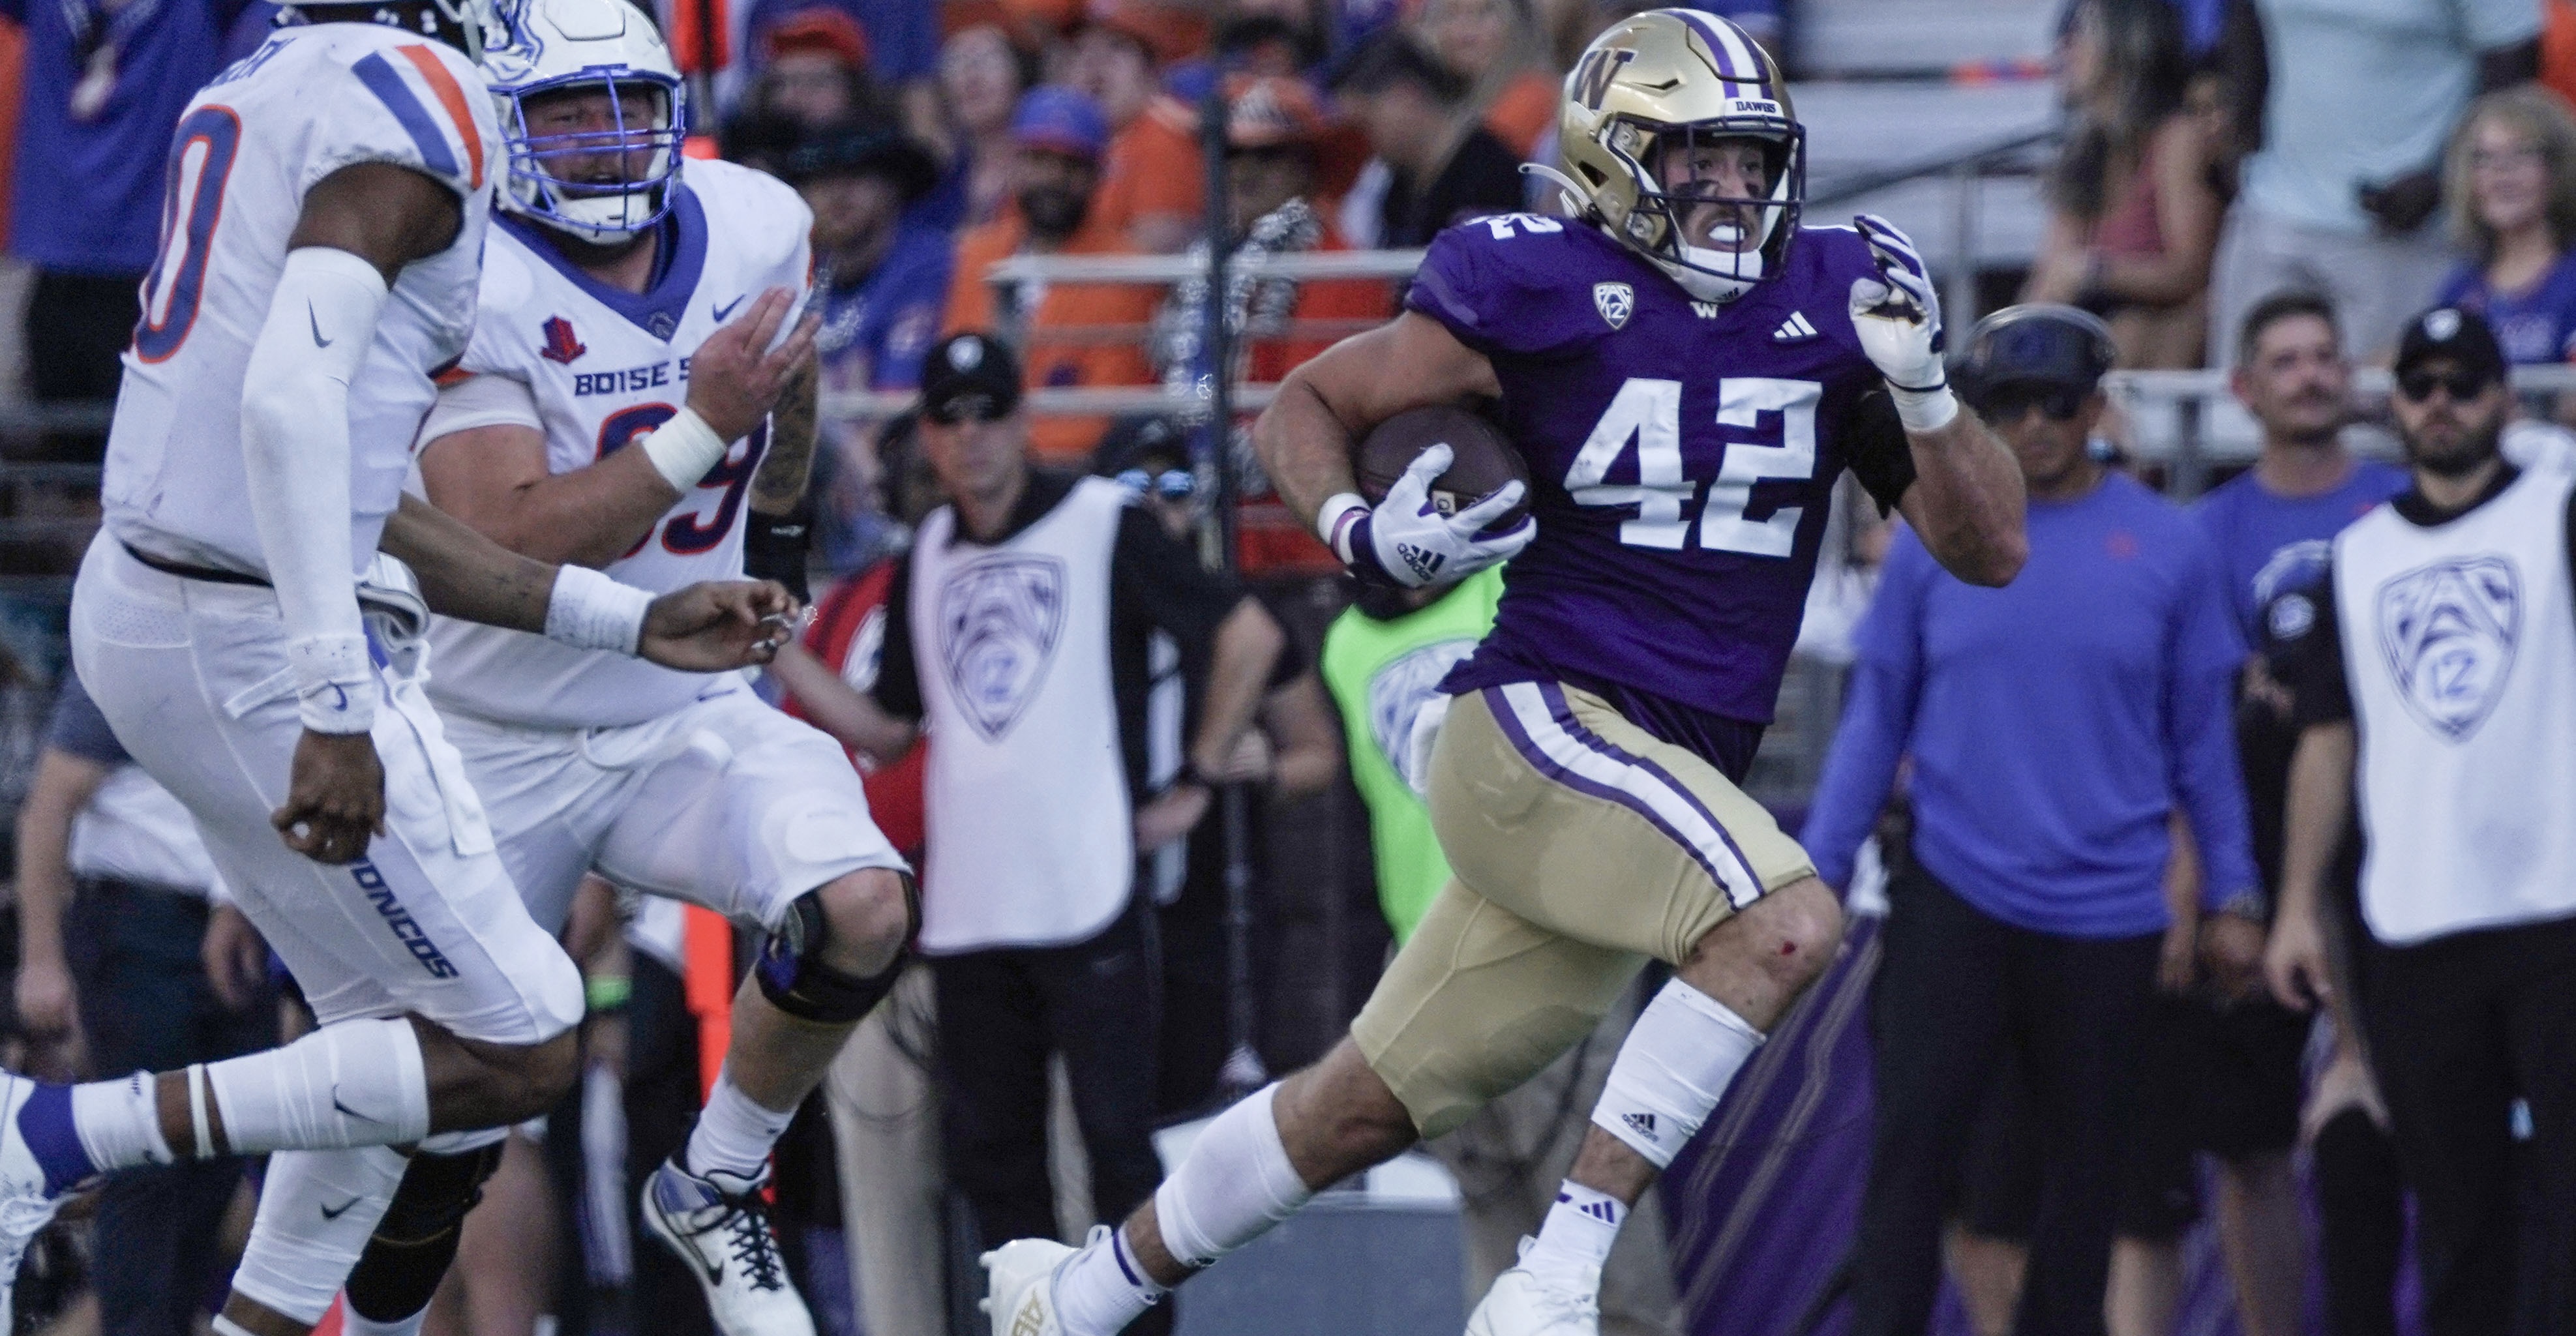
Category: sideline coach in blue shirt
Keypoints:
(2056, 725)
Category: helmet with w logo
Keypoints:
(1675, 81)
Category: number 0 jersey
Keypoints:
(605, 367)
(308, 102)
(1682, 454)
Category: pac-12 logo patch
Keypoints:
(2448, 631)
(1000, 618)
(1616, 301)
(562, 345)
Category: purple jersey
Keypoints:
(1682, 454)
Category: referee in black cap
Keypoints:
(2055, 727)
(1020, 630)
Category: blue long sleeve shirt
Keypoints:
(2055, 724)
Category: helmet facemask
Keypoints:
(606, 177)
(1747, 231)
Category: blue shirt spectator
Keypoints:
(2056, 724)
(2536, 325)
(104, 88)
(2268, 545)
(876, 330)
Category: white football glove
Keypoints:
(1405, 540)
(1897, 314)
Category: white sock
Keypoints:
(119, 1122)
(1234, 1185)
(734, 1132)
(1103, 1288)
(1575, 1239)
(1676, 1064)
(350, 1083)
(317, 1209)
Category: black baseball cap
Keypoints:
(2452, 332)
(2039, 344)
(969, 376)
(863, 150)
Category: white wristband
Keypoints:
(1334, 520)
(335, 684)
(590, 611)
(1924, 410)
(683, 449)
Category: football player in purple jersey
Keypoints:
(1685, 371)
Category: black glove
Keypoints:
(774, 547)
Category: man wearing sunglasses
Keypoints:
(2056, 726)
(2433, 699)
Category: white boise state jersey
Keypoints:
(308, 102)
(606, 367)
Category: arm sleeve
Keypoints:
(2203, 652)
(1151, 572)
(1881, 457)
(491, 399)
(2320, 692)
(1878, 716)
(898, 685)
(80, 729)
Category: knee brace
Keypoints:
(796, 981)
(417, 1239)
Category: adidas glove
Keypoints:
(1897, 313)
(1405, 540)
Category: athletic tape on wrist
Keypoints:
(335, 683)
(197, 1112)
(1337, 518)
(683, 449)
(1924, 410)
(588, 610)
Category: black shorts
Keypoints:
(2225, 1081)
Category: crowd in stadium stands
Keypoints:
(2271, 187)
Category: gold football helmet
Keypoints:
(1668, 81)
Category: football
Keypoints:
(1481, 459)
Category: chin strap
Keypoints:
(1569, 191)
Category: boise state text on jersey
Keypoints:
(1682, 453)
(606, 366)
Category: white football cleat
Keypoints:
(1019, 1286)
(26, 1206)
(719, 1225)
(1526, 1303)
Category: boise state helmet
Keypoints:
(608, 46)
(1664, 82)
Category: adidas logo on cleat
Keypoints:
(1793, 329)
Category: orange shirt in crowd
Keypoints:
(1523, 112)
(1058, 347)
(2558, 48)
(1154, 166)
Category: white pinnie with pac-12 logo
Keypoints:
(308, 102)
(606, 367)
